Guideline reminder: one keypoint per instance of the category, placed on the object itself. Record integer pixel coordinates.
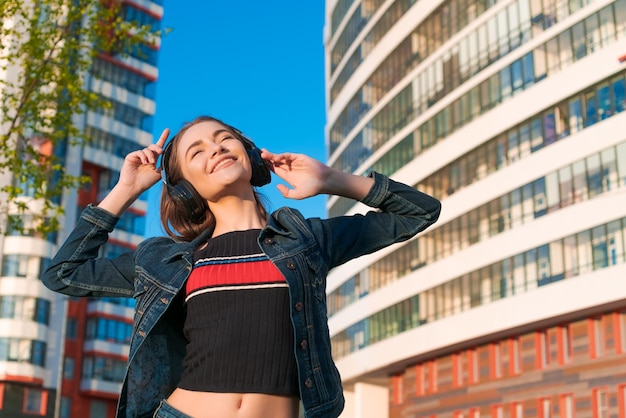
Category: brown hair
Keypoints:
(174, 217)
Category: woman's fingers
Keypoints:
(161, 141)
(270, 156)
(146, 155)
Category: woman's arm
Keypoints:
(402, 210)
(77, 269)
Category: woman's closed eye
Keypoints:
(225, 138)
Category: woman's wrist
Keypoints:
(119, 199)
(348, 185)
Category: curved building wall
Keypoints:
(512, 114)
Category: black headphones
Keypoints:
(186, 196)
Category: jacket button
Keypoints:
(291, 265)
(269, 241)
(308, 383)
(298, 306)
(303, 344)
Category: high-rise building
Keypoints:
(511, 112)
(66, 357)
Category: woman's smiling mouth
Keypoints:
(222, 163)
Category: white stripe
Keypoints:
(235, 257)
(242, 287)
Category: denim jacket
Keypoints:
(304, 250)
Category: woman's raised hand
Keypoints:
(139, 172)
(309, 177)
(304, 174)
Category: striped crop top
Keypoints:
(238, 326)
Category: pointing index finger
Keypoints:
(163, 137)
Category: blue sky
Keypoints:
(256, 65)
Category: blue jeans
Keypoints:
(166, 410)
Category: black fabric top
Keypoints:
(238, 325)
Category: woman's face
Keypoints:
(214, 161)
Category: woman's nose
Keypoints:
(217, 149)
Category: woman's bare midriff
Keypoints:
(233, 405)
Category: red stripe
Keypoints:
(253, 272)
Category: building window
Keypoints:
(619, 89)
(541, 349)
(517, 410)
(38, 353)
(106, 329)
(15, 265)
(457, 369)
(567, 406)
(564, 344)
(596, 338)
(514, 363)
(65, 407)
(35, 401)
(419, 380)
(545, 408)
(431, 379)
(98, 409)
(106, 369)
(23, 350)
(472, 366)
(68, 368)
(495, 360)
(71, 329)
(25, 308)
(497, 411)
(600, 403)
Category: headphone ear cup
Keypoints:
(261, 173)
(187, 197)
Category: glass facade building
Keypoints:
(511, 112)
(66, 357)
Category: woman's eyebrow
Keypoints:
(192, 145)
(220, 131)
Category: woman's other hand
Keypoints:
(309, 177)
(304, 174)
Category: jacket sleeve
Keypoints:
(77, 270)
(402, 213)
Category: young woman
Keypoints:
(231, 306)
